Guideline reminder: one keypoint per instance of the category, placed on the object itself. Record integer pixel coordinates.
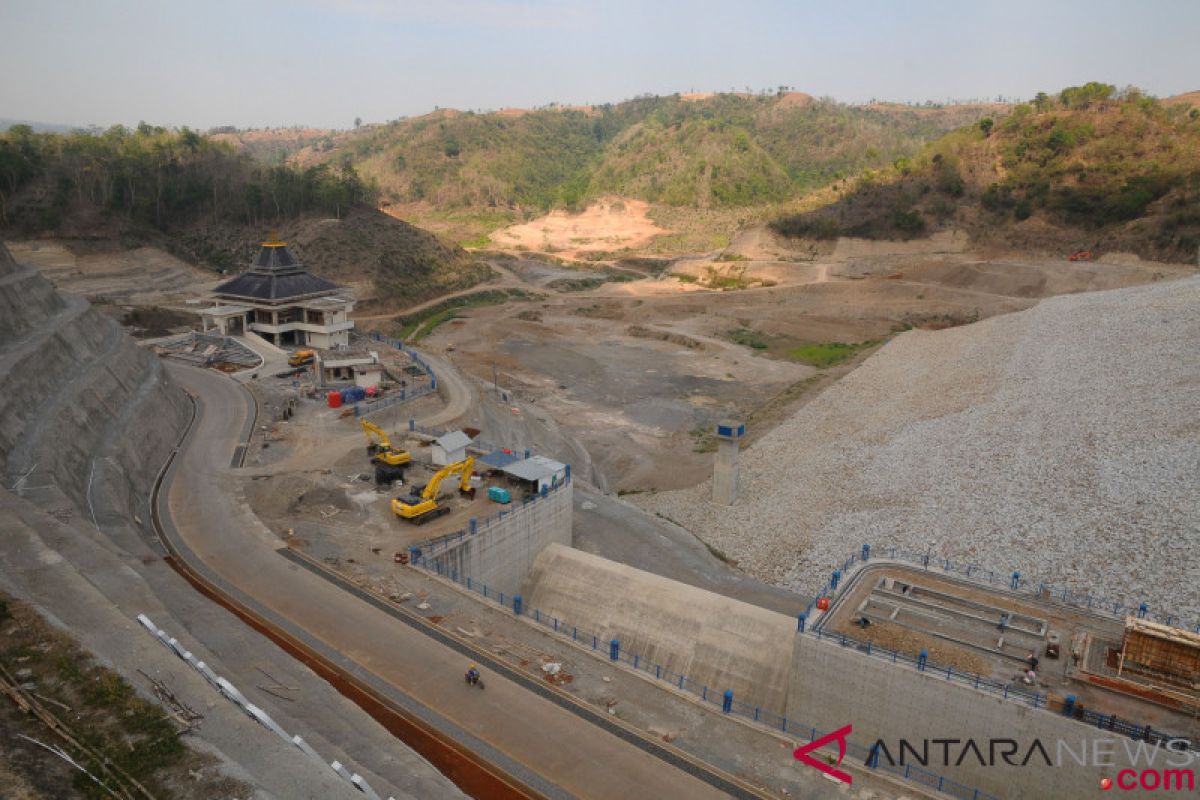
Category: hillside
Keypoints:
(390, 263)
(722, 150)
(274, 145)
(210, 204)
(1090, 168)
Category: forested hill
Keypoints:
(722, 150)
(157, 177)
(1088, 168)
(209, 203)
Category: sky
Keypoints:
(260, 63)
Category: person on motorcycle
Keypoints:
(473, 675)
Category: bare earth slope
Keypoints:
(1062, 441)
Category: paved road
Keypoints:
(537, 736)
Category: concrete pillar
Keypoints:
(725, 466)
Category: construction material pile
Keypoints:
(1062, 441)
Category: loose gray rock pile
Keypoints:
(1063, 441)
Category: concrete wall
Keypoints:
(832, 686)
(713, 640)
(502, 551)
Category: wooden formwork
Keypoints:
(1161, 650)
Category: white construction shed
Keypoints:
(449, 448)
(537, 472)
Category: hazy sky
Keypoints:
(324, 62)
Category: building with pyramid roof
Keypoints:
(280, 300)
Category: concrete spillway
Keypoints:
(86, 416)
(715, 641)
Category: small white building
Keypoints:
(537, 473)
(280, 300)
(449, 448)
(368, 375)
(359, 367)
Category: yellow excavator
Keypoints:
(389, 462)
(422, 507)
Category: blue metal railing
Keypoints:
(705, 693)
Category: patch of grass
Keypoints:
(685, 278)
(735, 278)
(477, 243)
(592, 282)
(624, 492)
(422, 323)
(106, 714)
(705, 440)
(826, 354)
(432, 322)
(727, 256)
(748, 337)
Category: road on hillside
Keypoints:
(508, 280)
(526, 733)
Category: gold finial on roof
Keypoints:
(273, 240)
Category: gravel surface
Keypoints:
(1063, 441)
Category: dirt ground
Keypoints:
(98, 710)
(639, 370)
(606, 225)
(146, 276)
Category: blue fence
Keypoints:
(1016, 581)
(403, 395)
(431, 548)
(1004, 690)
(723, 701)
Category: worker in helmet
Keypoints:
(473, 675)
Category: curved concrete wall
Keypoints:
(713, 640)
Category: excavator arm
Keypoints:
(464, 468)
(375, 434)
(421, 509)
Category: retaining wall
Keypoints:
(715, 641)
(501, 550)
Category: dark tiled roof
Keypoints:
(275, 287)
(275, 274)
(273, 256)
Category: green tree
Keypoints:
(986, 125)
